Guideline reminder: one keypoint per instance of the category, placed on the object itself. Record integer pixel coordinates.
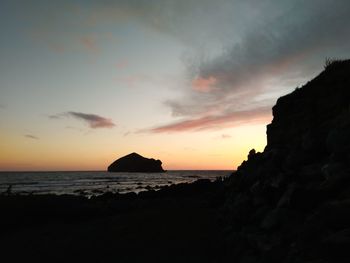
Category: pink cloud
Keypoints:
(254, 116)
(93, 120)
(122, 64)
(89, 42)
(204, 84)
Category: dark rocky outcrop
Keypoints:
(290, 203)
(137, 164)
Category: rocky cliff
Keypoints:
(291, 203)
(137, 164)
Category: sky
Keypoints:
(189, 82)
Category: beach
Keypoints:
(175, 223)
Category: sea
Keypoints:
(97, 182)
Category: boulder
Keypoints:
(135, 163)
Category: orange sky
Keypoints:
(210, 150)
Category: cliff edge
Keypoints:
(291, 203)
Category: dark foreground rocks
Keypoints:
(291, 203)
(135, 163)
(175, 224)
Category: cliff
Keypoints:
(136, 163)
(291, 203)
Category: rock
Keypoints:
(335, 247)
(304, 118)
(338, 141)
(311, 173)
(251, 154)
(286, 197)
(339, 238)
(135, 163)
(333, 215)
(274, 218)
(291, 202)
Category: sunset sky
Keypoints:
(190, 82)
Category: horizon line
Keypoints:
(62, 171)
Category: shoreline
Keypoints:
(97, 183)
(78, 171)
(186, 216)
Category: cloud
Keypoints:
(259, 115)
(240, 54)
(56, 47)
(30, 136)
(271, 55)
(56, 116)
(203, 84)
(93, 120)
(225, 136)
(126, 133)
(184, 19)
(89, 42)
(199, 23)
(122, 64)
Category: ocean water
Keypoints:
(96, 183)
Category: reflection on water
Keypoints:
(95, 183)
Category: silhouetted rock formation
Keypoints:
(291, 203)
(136, 163)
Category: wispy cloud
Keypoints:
(89, 42)
(122, 64)
(126, 133)
(225, 136)
(203, 84)
(93, 120)
(31, 136)
(56, 116)
(255, 67)
(259, 115)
